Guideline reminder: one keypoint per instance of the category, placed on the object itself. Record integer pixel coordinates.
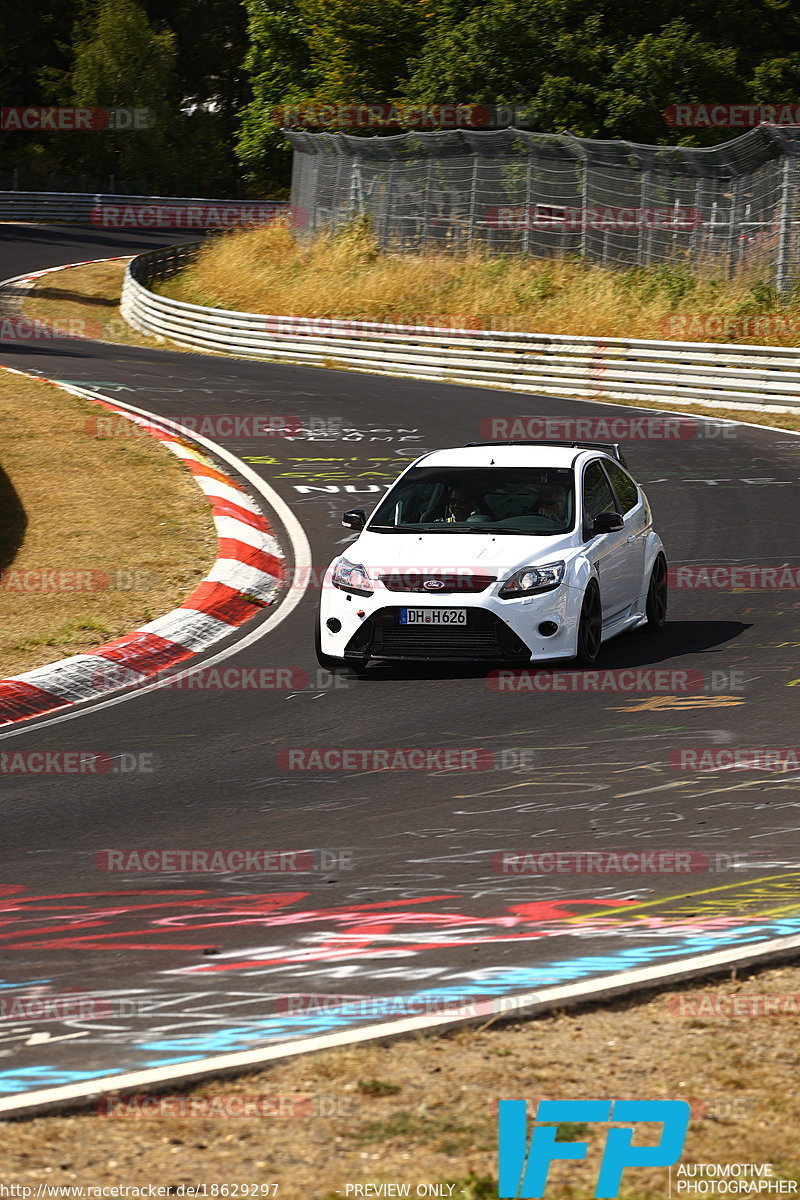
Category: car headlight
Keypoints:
(351, 577)
(531, 580)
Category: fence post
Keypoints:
(526, 217)
(473, 199)
(387, 207)
(784, 226)
(696, 247)
(733, 227)
(426, 207)
(584, 201)
(642, 254)
(335, 201)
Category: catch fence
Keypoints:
(734, 208)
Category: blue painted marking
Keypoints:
(26, 1078)
(491, 982)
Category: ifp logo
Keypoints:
(523, 1170)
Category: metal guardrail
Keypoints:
(559, 364)
(86, 208)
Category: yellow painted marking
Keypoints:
(725, 887)
(671, 703)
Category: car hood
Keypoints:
(431, 552)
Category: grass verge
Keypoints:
(423, 1111)
(122, 512)
(84, 302)
(265, 270)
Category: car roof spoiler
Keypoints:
(612, 448)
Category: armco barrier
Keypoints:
(619, 368)
(86, 208)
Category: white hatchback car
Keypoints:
(496, 552)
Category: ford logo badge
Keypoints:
(433, 585)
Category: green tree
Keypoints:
(362, 53)
(124, 62)
(279, 66)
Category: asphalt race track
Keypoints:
(400, 893)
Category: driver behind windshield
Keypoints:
(459, 506)
(552, 503)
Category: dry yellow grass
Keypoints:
(422, 1111)
(266, 270)
(84, 302)
(124, 512)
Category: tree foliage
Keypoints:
(214, 71)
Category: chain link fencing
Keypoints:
(733, 208)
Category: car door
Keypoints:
(608, 552)
(631, 504)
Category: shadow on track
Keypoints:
(636, 649)
(57, 293)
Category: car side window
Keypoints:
(597, 494)
(626, 489)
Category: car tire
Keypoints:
(335, 665)
(656, 607)
(590, 627)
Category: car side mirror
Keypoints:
(354, 518)
(607, 522)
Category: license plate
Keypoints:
(433, 616)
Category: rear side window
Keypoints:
(626, 489)
(597, 494)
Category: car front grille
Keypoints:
(444, 583)
(485, 636)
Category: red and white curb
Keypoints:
(244, 580)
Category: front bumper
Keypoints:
(496, 630)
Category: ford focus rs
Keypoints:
(499, 552)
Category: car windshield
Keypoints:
(528, 500)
